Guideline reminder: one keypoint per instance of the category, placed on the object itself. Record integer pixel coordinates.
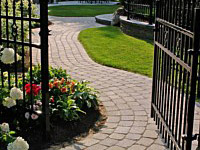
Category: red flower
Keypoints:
(62, 81)
(68, 82)
(50, 85)
(56, 84)
(52, 100)
(63, 90)
(35, 89)
(73, 83)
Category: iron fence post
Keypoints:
(154, 64)
(191, 103)
(45, 66)
(128, 9)
(151, 12)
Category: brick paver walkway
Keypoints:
(125, 95)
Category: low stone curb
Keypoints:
(104, 19)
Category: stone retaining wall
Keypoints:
(136, 28)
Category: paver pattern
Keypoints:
(126, 95)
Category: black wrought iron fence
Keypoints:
(17, 19)
(143, 10)
(177, 44)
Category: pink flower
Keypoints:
(34, 116)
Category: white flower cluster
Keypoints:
(8, 56)
(9, 102)
(18, 144)
(15, 94)
(5, 127)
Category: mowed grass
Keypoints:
(110, 47)
(81, 11)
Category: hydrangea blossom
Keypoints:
(39, 112)
(5, 127)
(16, 93)
(9, 102)
(8, 56)
(18, 144)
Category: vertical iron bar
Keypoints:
(151, 13)
(191, 104)
(44, 66)
(7, 37)
(2, 77)
(169, 86)
(183, 91)
(30, 52)
(128, 9)
(154, 66)
(23, 53)
(14, 34)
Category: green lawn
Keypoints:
(81, 11)
(110, 47)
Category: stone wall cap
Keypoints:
(133, 21)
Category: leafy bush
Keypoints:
(6, 136)
(68, 98)
(8, 141)
(21, 105)
(58, 73)
(18, 22)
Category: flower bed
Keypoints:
(71, 103)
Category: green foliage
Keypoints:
(68, 97)
(84, 95)
(17, 12)
(58, 73)
(110, 47)
(7, 137)
(4, 92)
(66, 109)
(69, 100)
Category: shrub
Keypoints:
(68, 98)
(18, 22)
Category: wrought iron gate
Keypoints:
(16, 24)
(177, 45)
(143, 10)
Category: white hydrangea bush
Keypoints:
(8, 56)
(15, 94)
(9, 102)
(5, 127)
(18, 144)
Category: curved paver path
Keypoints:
(125, 95)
